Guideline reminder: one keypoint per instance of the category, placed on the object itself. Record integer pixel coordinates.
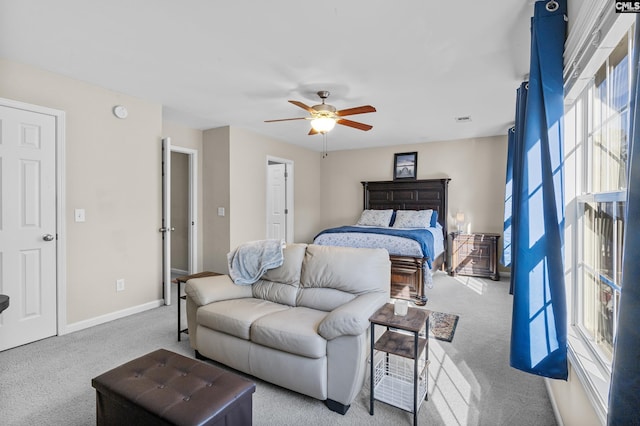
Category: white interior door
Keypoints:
(27, 226)
(166, 219)
(277, 202)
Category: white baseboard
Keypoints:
(81, 325)
(177, 271)
(554, 404)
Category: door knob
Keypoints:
(48, 237)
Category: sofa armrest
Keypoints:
(203, 291)
(352, 318)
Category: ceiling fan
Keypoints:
(324, 116)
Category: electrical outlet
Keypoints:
(120, 284)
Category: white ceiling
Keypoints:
(216, 63)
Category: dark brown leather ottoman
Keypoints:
(165, 388)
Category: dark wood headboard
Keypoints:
(409, 195)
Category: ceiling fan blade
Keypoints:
(354, 124)
(303, 106)
(312, 132)
(357, 110)
(285, 119)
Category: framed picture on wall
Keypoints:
(405, 165)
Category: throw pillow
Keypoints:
(379, 218)
(434, 219)
(413, 219)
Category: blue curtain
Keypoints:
(624, 395)
(539, 323)
(508, 200)
(515, 142)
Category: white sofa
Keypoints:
(303, 326)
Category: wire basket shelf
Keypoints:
(393, 381)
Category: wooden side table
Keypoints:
(401, 341)
(181, 280)
(475, 254)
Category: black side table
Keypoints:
(4, 302)
(181, 280)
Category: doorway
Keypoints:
(183, 228)
(279, 210)
(31, 223)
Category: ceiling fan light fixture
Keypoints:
(324, 117)
(323, 124)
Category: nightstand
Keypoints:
(474, 254)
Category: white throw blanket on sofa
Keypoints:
(249, 261)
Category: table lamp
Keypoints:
(460, 221)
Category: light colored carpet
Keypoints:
(471, 383)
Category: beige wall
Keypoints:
(113, 172)
(185, 137)
(248, 183)
(215, 184)
(235, 172)
(572, 402)
(476, 168)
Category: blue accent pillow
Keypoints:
(393, 218)
(434, 218)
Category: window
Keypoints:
(598, 120)
(602, 201)
(600, 264)
(601, 204)
(608, 100)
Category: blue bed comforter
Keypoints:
(422, 236)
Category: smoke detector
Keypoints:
(463, 119)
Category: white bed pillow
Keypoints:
(413, 219)
(379, 218)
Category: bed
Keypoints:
(411, 263)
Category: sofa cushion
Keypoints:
(235, 316)
(280, 285)
(324, 299)
(275, 292)
(289, 271)
(328, 271)
(354, 270)
(293, 330)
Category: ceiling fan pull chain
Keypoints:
(324, 145)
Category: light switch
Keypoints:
(79, 215)
(220, 211)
